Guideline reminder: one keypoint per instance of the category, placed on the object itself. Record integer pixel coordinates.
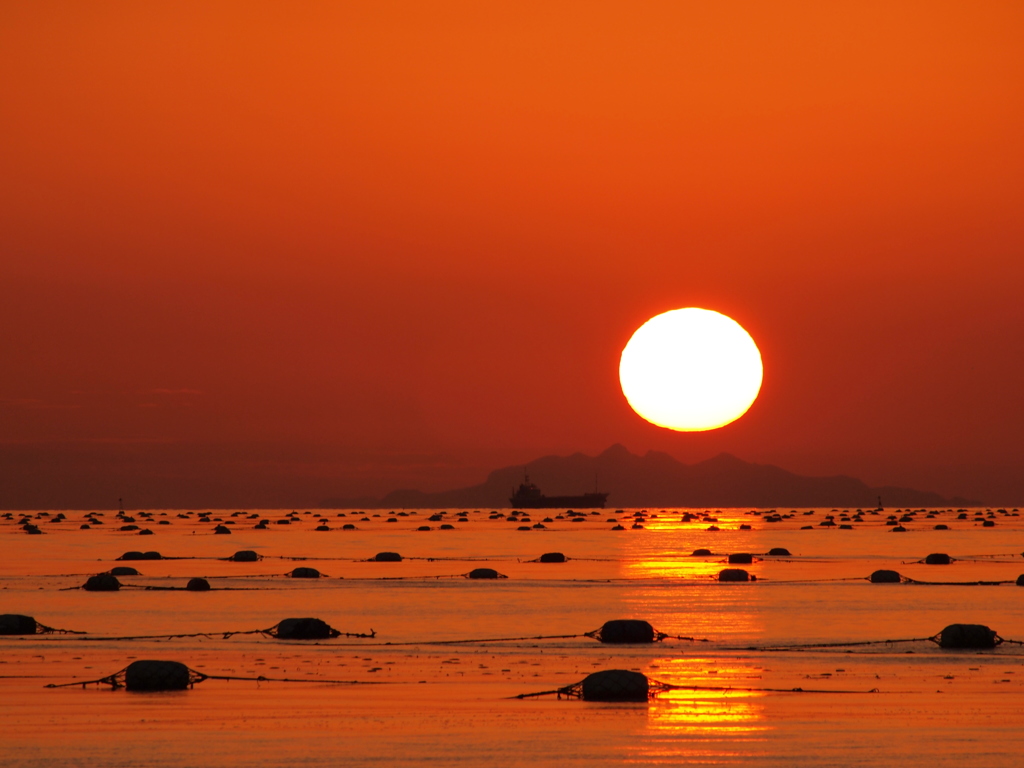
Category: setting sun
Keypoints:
(690, 370)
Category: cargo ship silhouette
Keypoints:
(529, 496)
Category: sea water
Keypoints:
(416, 701)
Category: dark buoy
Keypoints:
(615, 685)
(735, 574)
(152, 556)
(305, 573)
(198, 585)
(244, 556)
(620, 631)
(16, 624)
(149, 675)
(484, 573)
(938, 558)
(133, 555)
(701, 553)
(778, 552)
(967, 636)
(885, 577)
(387, 557)
(552, 557)
(102, 582)
(222, 529)
(740, 558)
(123, 570)
(1020, 580)
(304, 629)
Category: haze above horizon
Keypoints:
(259, 253)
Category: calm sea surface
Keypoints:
(423, 703)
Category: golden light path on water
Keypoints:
(712, 721)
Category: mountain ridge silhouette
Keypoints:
(658, 480)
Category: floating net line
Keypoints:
(157, 588)
(287, 629)
(404, 557)
(618, 632)
(712, 578)
(954, 637)
(903, 579)
(119, 679)
(16, 624)
(153, 588)
(174, 679)
(1012, 557)
(909, 580)
(622, 631)
(42, 629)
(579, 690)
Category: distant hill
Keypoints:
(658, 480)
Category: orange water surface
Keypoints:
(416, 701)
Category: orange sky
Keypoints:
(261, 253)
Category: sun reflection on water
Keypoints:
(716, 722)
(674, 568)
(718, 698)
(713, 717)
(679, 595)
(707, 712)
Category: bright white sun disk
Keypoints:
(691, 370)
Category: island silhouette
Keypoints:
(658, 480)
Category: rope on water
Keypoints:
(288, 629)
(186, 589)
(120, 679)
(364, 560)
(465, 559)
(207, 635)
(955, 636)
(628, 631)
(155, 588)
(650, 688)
(763, 579)
(486, 640)
(806, 646)
(620, 631)
(959, 583)
(262, 679)
(42, 629)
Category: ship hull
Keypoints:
(586, 501)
